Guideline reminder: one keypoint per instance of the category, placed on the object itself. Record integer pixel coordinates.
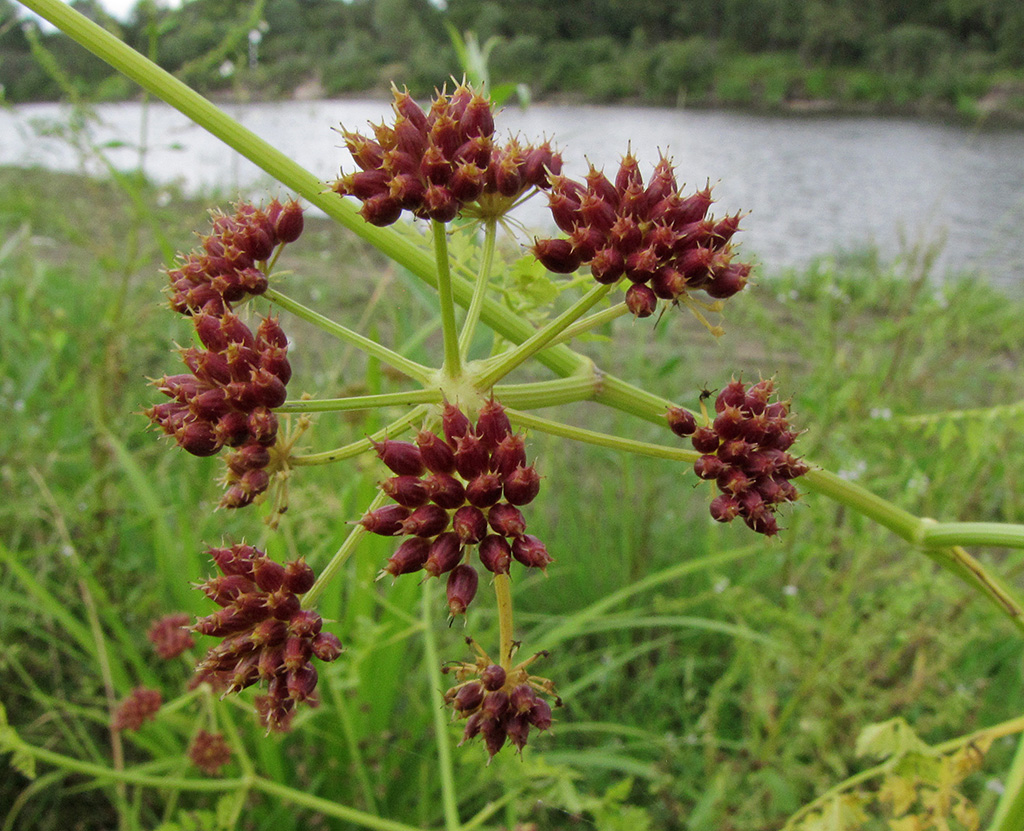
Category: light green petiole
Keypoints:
(452, 360)
(479, 289)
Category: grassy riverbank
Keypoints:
(722, 698)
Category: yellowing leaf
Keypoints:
(892, 738)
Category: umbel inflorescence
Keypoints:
(457, 489)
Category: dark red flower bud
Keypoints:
(445, 490)
(270, 333)
(455, 424)
(326, 647)
(565, 209)
(426, 521)
(386, 520)
(681, 422)
(268, 389)
(509, 454)
(401, 457)
(495, 554)
(557, 255)
(263, 426)
(297, 652)
(531, 552)
(381, 210)
(541, 162)
(169, 636)
(728, 424)
(299, 577)
(406, 490)
(522, 698)
(267, 574)
(728, 281)
(198, 437)
(270, 632)
(471, 456)
(669, 283)
(437, 454)
(492, 424)
(540, 715)
(283, 604)
(492, 677)
(641, 300)
(232, 429)
(733, 481)
(495, 704)
(470, 524)
(210, 405)
(469, 697)
(461, 588)
(302, 683)
(693, 208)
(708, 467)
(735, 451)
(724, 508)
(409, 557)
(227, 588)
(608, 265)
(445, 553)
(484, 490)
(705, 440)
(597, 213)
(522, 485)
(506, 519)
(756, 399)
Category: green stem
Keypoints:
(641, 448)
(407, 367)
(357, 447)
(1009, 813)
(592, 322)
(441, 733)
(452, 360)
(479, 289)
(503, 364)
(506, 634)
(340, 557)
(360, 402)
(538, 394)
(941, 534)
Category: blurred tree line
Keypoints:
(756, 52)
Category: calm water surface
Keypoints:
(812, 185)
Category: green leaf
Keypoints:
(892, 738)
(10, 742)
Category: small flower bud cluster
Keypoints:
(436, 163)
(664, 243)
(209, 752)
(227, 398)
(744, 453)
(169, 636)
(224, 270)
(140, 706)
(268, 636)
(455, 492)
(499, 705)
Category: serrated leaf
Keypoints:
(890, 739)
(10, 742)
(898, 793)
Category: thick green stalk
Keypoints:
(409, 368)
(536, 394)
(479, 289)
(452, 360)
(349, 451)
(442, 737)
(360, 402)
(943, 534)
(503, 364)
(1009, 813)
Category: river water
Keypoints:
(813, 185)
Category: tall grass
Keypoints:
(709, 682)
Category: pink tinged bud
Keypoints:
(409, 491)
(436, 453)
(484, 490)
(183, 388)
(729, 281)
(282, 604)
(597, 213)
(756, 399)
(270, 632)
(263, 426)
(410, 138)
(599, 186)
(198, 438)
(669, 283)
(461, 589)
(469, 697)
(473, 725)
(273, 359)
(783, 440)
(363, 185)
(327, 647)
(455, 424)
(495, 704)
(268, 574)
(297, 652)
(508, 177)
(407, 190)
(586, 241)
(210, 367)
(226, 589)
(509, 454)
(253, 483)
(477, 119)
(641, 300)
(236, 331)
(410, 556)
(445, 554)
(540, 715)
(693, 208)
(434, 167)
(232, 429)
(492, 424)
(210, 405)
(522, 485)
(299, 576)
(445, 490)
(735, 451)
(242, 395)
(728, 424)
(506, 520)
(494, 734)
(517, 727)
(557, 255)
(752, 504)
(565, 210)
(238, 559)
(642, 264)
(708, 467)
(270, 333)
(757, 465)
(541, 163)
(705, 440)
(607, 265)
(628, 174)
(777, 409)
(476, 151)
(470, 524)
(467, 183)
(495, 554)
(764, 523)
(733, 394)
(492, 677)
(252, 281)
(681, 422)
(367, 153)
(208, 329)
(302, 683)
(626, 235)
(440, 204)
(733, 481)
(271, 662)
(427, 521)
(522, 698)
(381, 210)
(268, 389)
(229, 620)
(445, 135)
(472, 456)
(531, 552)
(400, 457)
(386, 521)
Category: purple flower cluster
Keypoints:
(472, 481)
(664, 243)
(436, 164)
